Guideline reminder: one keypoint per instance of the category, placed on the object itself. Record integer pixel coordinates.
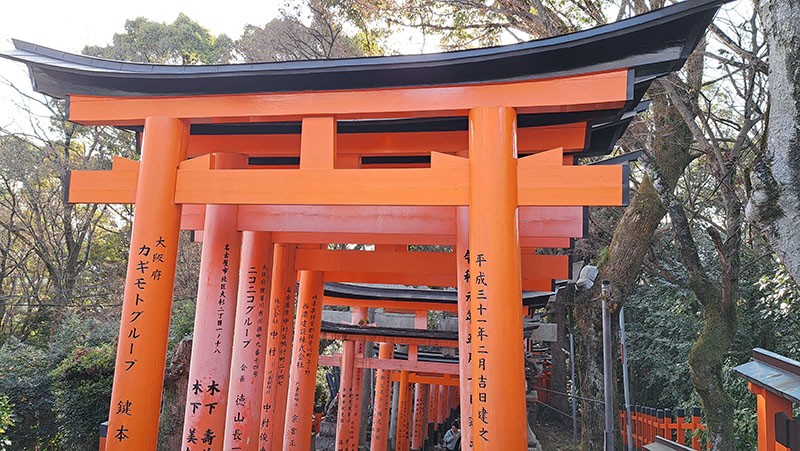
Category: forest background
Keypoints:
(703, 258)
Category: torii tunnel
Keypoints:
(274, 162)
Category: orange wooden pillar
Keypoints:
(403, 439)
(768, 404)
(433, 406)
(441, 413)
(279, 336)
(249, 342)
(453, 399)
(359, 316)
(344, 414)
(305, 355)
(418, 430)
(209, 373)
(383, 402)
(147, 302)
(498, 379)
(464, 315)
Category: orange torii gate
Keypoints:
(275, 161)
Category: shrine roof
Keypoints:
(652, 45)
(536, 299)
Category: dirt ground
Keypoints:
(553, 438)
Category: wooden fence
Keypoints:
(647, 423)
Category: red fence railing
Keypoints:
(647, 423)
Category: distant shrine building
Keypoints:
(271, 163)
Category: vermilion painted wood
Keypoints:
(303, 369)
(423, 264)
(444, 183)
(539, 226)
(498, 378)
(279, 336)
(403, 437)
(433, 407)
(552, 222)
(438, 185)
(441, 412)
(572, 137)
(363, 238)
(464, 315)
(345, 410)
(383, 401)
(212, 343)
(395, 340)
(318, 143)
(542, 222)
(432, 280)
(584, 92)
(417, 422)
(359, 316)
(249, 342)
(769, 404)
(142, 345)
(395, 365)
(390, 304)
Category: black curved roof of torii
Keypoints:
(651, 44)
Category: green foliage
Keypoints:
(779, 307)
(660, 332)
(6, 420)
(182, 323)
(82, 389)
(182, 42)
(25, 380)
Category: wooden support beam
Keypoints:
(390, 304)
(572, 137)
(396, 340)
(445, 183)
(430, 280)
(583, 92)
(534, 266)
(393, 364)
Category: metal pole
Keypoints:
(625, 383)
(607, 382)
(574, 399)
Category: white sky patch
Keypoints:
(71, 25)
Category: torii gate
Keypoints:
(283, 158)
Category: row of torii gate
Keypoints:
(273, 162)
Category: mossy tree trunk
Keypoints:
(774, 205)
(719, 307)
(717, 297)
(629, 245)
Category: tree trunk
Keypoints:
(707, 357)
(774, 206)
(176, 383)
(629, 245)
(558, 316)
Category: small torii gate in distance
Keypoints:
(284, 158)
